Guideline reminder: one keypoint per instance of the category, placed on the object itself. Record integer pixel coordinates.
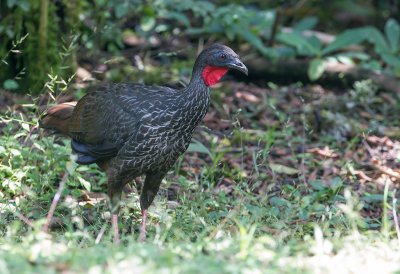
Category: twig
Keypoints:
(303, 150)
(369, 149)
(396, 221)
(360, 174)
(23, 218)
(271, 40)
(383, 169)
(100, 235)
(55, 201)
(19, 215)
(387, 171)
(29, 135)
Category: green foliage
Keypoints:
(41, 51)
(236, 22)
(10, 84)
(239, 228)
(226, 218)
(103, 23)
(316, 69)
(386, 45)
(216, 153)
(100, 25)
(207, 229)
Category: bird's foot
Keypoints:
(142, 235)
(114, 221)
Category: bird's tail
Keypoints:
(57, 117)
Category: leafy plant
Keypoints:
(216, 153)
(36, 24)
(386, 45)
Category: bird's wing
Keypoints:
(105, 119)
(57, 117)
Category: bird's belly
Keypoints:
(169, 151)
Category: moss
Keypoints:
(40, 52)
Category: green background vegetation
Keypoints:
(250, 194)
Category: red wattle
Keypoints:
(211, 75)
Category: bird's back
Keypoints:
(113, 112)
(144, 127)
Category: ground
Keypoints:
(280, 177)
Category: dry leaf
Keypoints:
(277, 168)
(325, 152)
(247, 96)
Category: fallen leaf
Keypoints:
(366, 115)
(372, 139)
(325, 152)
(387, 170)
(388, 98)
(277, 168)
(247, 96)
(313, 175)
(360, 174)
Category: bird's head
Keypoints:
(216, 60)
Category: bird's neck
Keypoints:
(194, 100)
(197, 86)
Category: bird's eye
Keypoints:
(222, 57)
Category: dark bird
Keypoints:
(131, 129)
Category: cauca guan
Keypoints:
(130, 129)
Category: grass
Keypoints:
(247, 196)
(188, 239)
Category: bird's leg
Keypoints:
(114, 217)
(142, 235)
(149, 191)
(114, 221)
(114, 193)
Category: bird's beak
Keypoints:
(238, 65)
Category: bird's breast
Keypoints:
(162, 136)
